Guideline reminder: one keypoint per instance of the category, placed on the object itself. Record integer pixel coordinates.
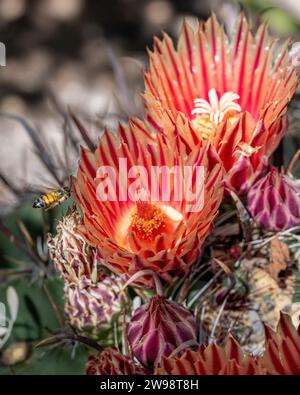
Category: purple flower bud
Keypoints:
(157, 328)
(91, 307)
(274, 202)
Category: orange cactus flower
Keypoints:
(151, 228)
(214, 359)
(281, 356)
(234, 90)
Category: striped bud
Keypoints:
(157, 328)
(91, 307)
(274, 202)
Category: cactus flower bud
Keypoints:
(111, 362)
(91, 307)
(157, 328)
(73, 258)
(273, 201)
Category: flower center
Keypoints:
(210, 113)
(147, 220)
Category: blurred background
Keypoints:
(87, 56)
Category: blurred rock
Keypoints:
(28, 73)
(11, 9)
(14, 104)
(158, 14)
(60, 10)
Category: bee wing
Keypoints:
(40, 189)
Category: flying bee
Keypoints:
(50, 200)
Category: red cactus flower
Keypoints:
(273, 201)
(234, 91)
(162, 234)
(157, 328)
(282, 356)
(111, 362)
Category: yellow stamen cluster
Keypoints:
(204, 126)
(146, 219)
(208, 114)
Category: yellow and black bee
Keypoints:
(50, 200)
